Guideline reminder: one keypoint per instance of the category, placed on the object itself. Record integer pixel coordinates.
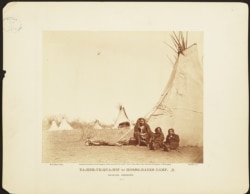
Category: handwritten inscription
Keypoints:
(11, 24)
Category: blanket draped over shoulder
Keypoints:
(157, 139)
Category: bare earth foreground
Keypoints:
(69, 147)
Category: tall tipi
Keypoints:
(181, 104)
(122, 120)
(53, 126)
(64, 125)
(97, 125)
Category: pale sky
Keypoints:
(86, 75)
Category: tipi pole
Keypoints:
(186, 39)
(124, 135)
(170, 46)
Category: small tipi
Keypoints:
(122, 120)
(181, 103)
(97, 125)
(64, 125)
(53, 126)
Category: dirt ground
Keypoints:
(69, 147)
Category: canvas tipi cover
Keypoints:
(181, 104)
(65, 125)
(97, 125)
(53, 126)
(122, 118)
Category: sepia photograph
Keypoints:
(122, 97)
(125, 97)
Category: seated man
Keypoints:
(142, 132)
(157, 139)
(172, 141)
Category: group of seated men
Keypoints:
(155, 140)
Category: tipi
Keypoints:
(181, 103)
(53, 126)
(97, 125)
(65, 125)
(122, 120)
